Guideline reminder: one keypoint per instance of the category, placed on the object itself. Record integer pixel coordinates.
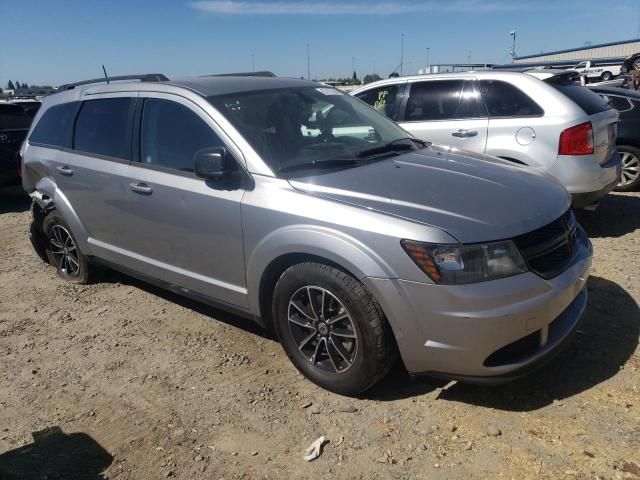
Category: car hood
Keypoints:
(475, 198)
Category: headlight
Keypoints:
(460, 264)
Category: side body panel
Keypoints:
(184, 229)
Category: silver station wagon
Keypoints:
(304, 209)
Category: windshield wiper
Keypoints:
(330, 163)
(393, 146)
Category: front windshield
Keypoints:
(306, 127)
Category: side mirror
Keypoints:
(213, 163)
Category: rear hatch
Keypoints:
(603, 117)
(14, 126)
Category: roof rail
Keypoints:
(243, 74)
(147, 77)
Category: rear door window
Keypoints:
(442, 100)
(56, 125)
(505, 100)
(382, 99)
(104, 126)
(587, 100)
(13, 117)
(171, 134)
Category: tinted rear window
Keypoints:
(13, 117)
(55, 126)
(587, 100)
(506, 100)
(104, 127)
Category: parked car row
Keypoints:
(542, 119)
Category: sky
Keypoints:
(55, 42)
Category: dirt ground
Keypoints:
(121, 380)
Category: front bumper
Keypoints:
(492, 330)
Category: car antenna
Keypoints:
(105, 74)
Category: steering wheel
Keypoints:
(326, 132)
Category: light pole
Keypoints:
(428, 69)
(513, 45)
(402, 54)
(308, 64)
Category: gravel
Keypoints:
(178, 388)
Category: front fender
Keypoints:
(335, 246)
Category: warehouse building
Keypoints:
(589, 52)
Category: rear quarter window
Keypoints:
(587, 100)
(382, 99)
(504, 100)
(55, 126)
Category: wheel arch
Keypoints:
(285, 248)
(627, 142)
(59, 202)
(274, 271)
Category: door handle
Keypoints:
(465, 133)
(64, 170)
(141, 188)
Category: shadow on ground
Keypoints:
(397, 385)
(617, 215)
(56, 455)
(607, 338)
(13, 200)
(112, 276)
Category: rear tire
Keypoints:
(332, 329)
(38, 242)
(62, 250)
(606, 76)
(630, 179)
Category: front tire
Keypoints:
(332, 329)
(630, 178)
(62, 250)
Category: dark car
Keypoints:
(627, 102)
(632, 62)
(31, 107)
(14, 125)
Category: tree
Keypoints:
(18, 86)
(24, 85)
(354, 80)
(371, 77)
(10, 85)
(394, 75)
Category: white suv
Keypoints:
(553, 125)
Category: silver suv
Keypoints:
(555, 126)
(302, 208)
